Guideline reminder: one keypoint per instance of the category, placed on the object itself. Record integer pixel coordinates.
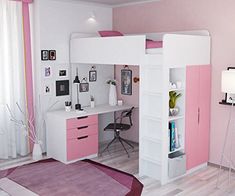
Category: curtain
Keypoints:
(12, 80)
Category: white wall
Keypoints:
(53, 23)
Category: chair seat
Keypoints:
(119, 126)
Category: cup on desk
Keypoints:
(120, 102)
(68, 106)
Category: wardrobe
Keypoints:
(197, 120)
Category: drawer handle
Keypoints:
(83, 137)
(82, 117)
(84, 127)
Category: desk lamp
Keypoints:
(77, 82)
(228, 86)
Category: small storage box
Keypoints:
(176, 164)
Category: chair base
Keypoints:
(117, 137)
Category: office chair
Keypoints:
(117, 127)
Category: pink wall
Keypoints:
(217, 16)
(133, 133)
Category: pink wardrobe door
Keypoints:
(204, 102)
(191, 117)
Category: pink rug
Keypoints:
(83, 178)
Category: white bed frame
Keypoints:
(180, 49)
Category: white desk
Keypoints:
(73, 135)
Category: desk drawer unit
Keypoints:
(82, 137)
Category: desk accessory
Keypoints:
(68, 105)
(112, 92)
(77, 82)
(92, 101)
(120, 102)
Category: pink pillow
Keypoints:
(109, 33)
(153, 44)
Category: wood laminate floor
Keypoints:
(200, 183)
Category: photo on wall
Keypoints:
(126, 82)
(47, 89)
(52, 55)
(47, 72)
(63, 73)
(44, 55)
(62, 87)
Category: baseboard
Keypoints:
(222, 167)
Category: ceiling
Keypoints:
(117, 2)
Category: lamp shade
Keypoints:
(76, 80)
(228, 82)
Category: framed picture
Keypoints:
(63, 73)
(228, 96)
(52, 55)
(44, 55)
(47, 72)
(47, 89)
(84, 87)
(62, 87)
(126, 82)
(92, 76)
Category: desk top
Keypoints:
(99, 109)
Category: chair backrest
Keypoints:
(127, 114)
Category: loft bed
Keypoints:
(131, 49)
(158, 67)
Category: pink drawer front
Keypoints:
(82, 131)
(82, 121)
(82, 147)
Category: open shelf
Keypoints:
(176, 89)
(178, 149)
(171, 118)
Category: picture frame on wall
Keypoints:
(44, 55)
(47, 72)
(62, 87)
(63, 73)
(228, 96)
(126, 81)
(84, 85)
(52, 55)
(47, 89)
(92, 76)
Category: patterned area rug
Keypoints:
(83, 178)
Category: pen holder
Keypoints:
(68, 106)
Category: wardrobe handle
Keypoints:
(82, 117)
(84, 127)
(198, 114)
(83, 137)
